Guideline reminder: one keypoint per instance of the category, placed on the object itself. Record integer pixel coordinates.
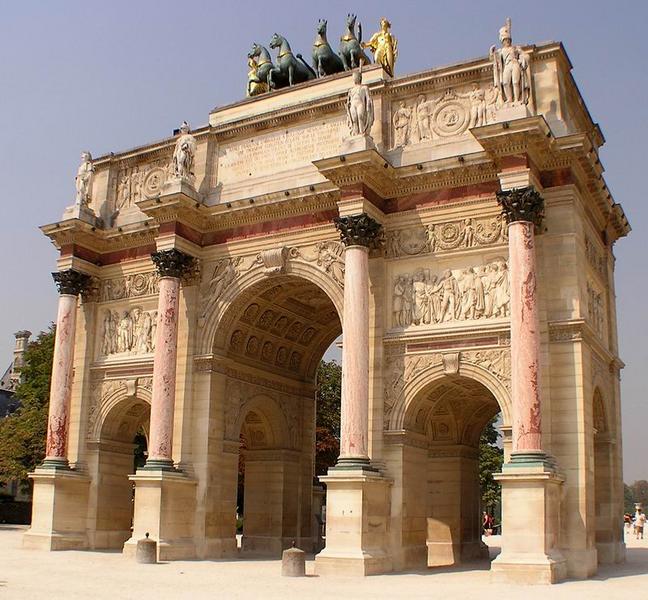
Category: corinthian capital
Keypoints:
(71, 282)
(359, 230)
(172, 263)
(522, 204)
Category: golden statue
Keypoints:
(384, 47)
(255, 86)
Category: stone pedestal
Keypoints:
(531, 513)
(83, 213)
(510, 113)
(357, 524)
(165, 503)
(59, 513)
(357, 143)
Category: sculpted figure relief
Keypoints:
(83, 179)
(359, 107)
(510, 69)
(402, 119)
(184, 153)
(384, 47)
(129, 331)
(461, 295)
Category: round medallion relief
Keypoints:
(450, 118)
(153, 182)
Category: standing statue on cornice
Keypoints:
(83, 179)
(183, 154)
(384, 47)
(359, 107)
(510, 69)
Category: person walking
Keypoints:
(640, 521)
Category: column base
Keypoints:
(530, 516)
(353, 464)
(59, 464)
(165, 504)
(357, 517)
(159, 464)
(60, 507)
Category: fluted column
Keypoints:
(171, 266)
(359, 234)
(70, 284)
(523, 209)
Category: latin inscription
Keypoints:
(279, 151)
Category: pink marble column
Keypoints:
(171, 265)
(359, 234)
(70, 284)
(523, 211)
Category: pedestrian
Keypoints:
(640, 520)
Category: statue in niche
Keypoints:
(402, 119)
(359, 107)
(430, 237)
(384, 47)
(468, 233)
(510, 69)
(83, 179)
(184, 153)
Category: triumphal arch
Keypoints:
(452, 225)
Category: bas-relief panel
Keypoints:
(439, 292)
(443, 116)
(141, 181)
(596, 309)
(127, 332)
(278, 151)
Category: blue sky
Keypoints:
(112, 75)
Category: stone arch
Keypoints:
(116, 402)
(248, 285)
(271, 419)
(428, 377)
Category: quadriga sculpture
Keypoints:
(351, 51)
(289, 67)
(325, 61)
(258, 80)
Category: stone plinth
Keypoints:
(531, 535)
(59, 513)
(165, 504)
(357, 143)
(357, 518)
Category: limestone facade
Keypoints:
(227, 345)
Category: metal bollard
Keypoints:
(146, 552)
(293, 562)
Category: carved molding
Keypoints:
(522, 204)
(129, 286)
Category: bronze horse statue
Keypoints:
(263, 67)
(325, 61)
(290, 68)
(351, 51)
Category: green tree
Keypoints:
(628, 499)
(23, 433)
(640, 492)
(491, 458)
(327, 426)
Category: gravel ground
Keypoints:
(31, 574)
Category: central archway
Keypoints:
(270, 340)
(441, 429)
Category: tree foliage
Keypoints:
(327, 432)
(23, 433)
(636, 492)
(491, 458)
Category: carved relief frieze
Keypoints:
(596, 309)
(139, 182)
(129, 286)
(447, 115)
(328, 255)
(422, 298)
(443, 237)
(596, 259)
(128, 332)
(497, 361)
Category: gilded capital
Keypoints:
(71, 282)
(522, 204)
(359, 230)
(172, 263)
